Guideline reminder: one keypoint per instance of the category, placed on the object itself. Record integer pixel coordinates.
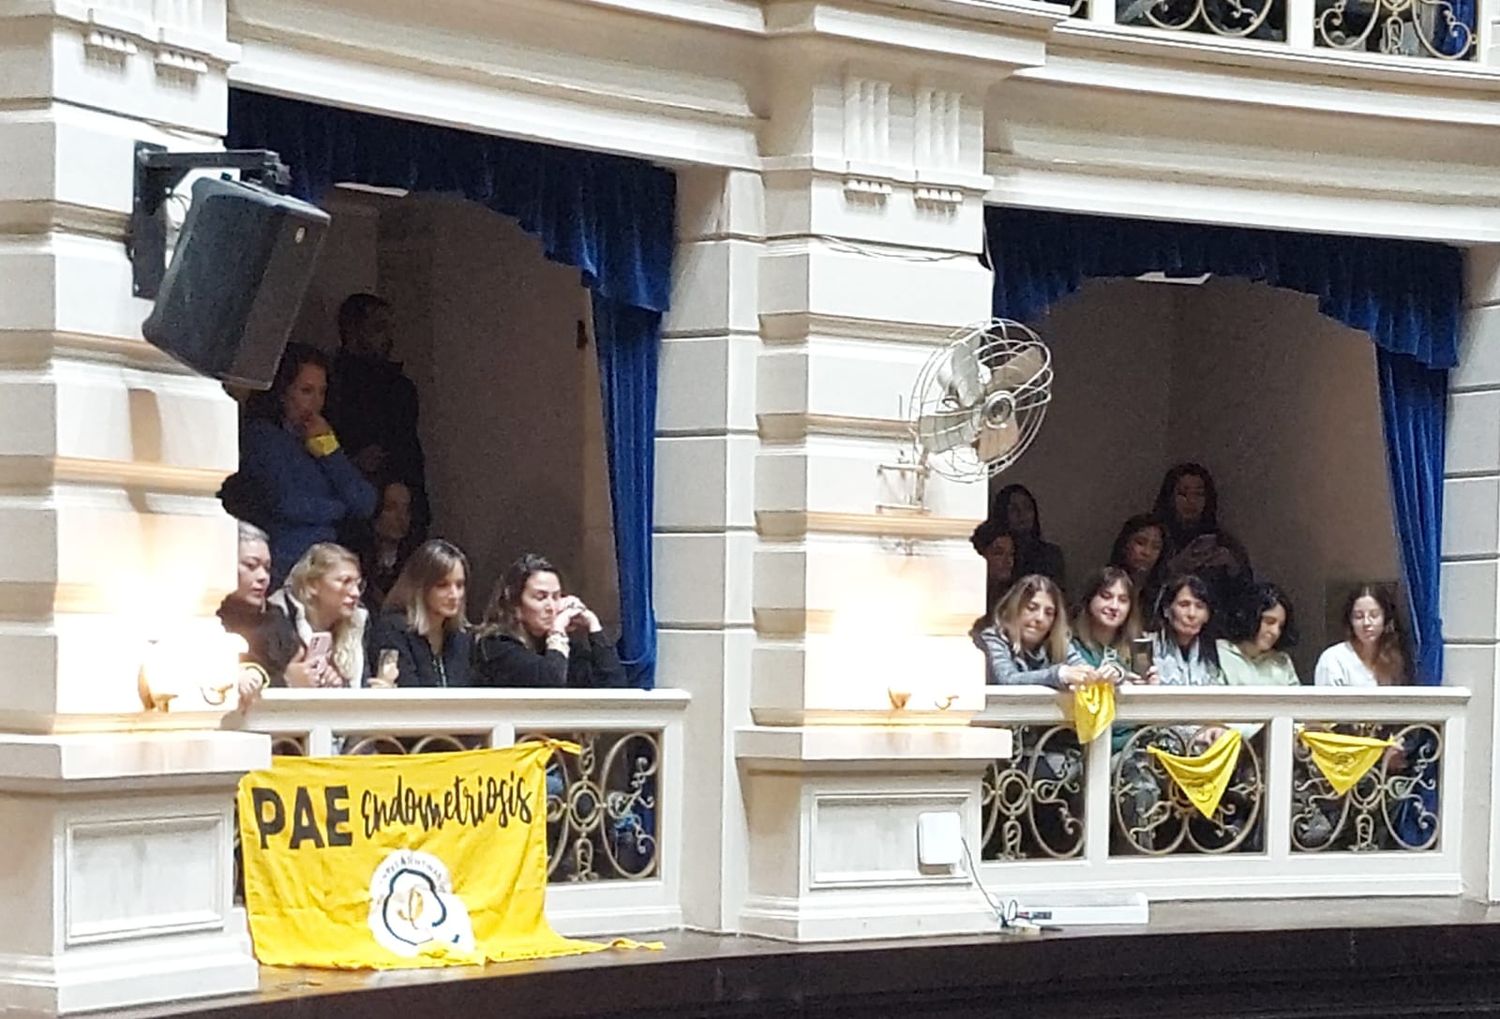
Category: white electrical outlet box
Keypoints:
(940, 838)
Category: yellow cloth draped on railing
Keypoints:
(1205, 777)
(1093, 710)
(1342, 759)
(400, 861)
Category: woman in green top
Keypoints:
(1104, 623)
(1260, 635)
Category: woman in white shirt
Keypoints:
(1373, 653)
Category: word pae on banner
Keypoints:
(401, 861)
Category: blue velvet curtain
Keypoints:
(610, 216)
(1406, 295)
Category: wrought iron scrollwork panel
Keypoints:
(425, 743)
(1259, 19)
(1411, 28)
(1033, 803)
(1393, 808)
(1154, 817)
(602, 808)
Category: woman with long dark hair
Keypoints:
(291, 465)
(1138, 551)
(534, 635)
(1183, 646)
(1014, 507)
(1260, 632)
(423, 625)
(1187, 504)
(1027, 640)
(1373, 652)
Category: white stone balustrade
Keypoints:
(629, 734)
(1268, 862)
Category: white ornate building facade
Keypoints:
(834, 159)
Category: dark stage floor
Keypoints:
(1264, 958)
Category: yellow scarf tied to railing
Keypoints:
(1093, 710)
(1205, 777)
(1342, 759)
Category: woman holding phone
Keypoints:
(1188, 505)
(422, 633)
(1105, 625)
(534, 635)
(321, 599)
(1027, 641)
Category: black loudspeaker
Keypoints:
(243, 260)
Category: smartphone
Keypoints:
(1141, 656)
(318, 651)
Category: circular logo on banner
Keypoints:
(412, 906)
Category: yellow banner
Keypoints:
(1093, 710)
(1205, 777)
(389, 861)
(1342, 759)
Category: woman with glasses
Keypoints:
(423, 631)
(322, 601)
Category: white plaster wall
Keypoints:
(347, 265)
(1101, 450)
(1281, 404)
(510, 405)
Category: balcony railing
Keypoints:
(1107, 817)
(613, 811)
(1432, 29)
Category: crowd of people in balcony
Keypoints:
(338, 585)
(1177, 604)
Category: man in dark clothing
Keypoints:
(372, 405)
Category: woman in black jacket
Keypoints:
(270, 639)
(534, 635)
(423, 628)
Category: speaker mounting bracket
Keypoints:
(157, 172)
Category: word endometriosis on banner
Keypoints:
(380, 862)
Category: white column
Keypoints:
(873, 224)
(1471, 559)
(117, 826)
(704, 528)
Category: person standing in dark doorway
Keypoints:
(374, 406)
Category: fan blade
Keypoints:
(995, 441)
(947, 430)
(960, 372)
(1017, 369)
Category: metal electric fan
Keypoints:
(979, 401)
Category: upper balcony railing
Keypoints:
(1431, 29)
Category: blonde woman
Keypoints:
(321, 599)
(423, 627)
(1027, 641)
